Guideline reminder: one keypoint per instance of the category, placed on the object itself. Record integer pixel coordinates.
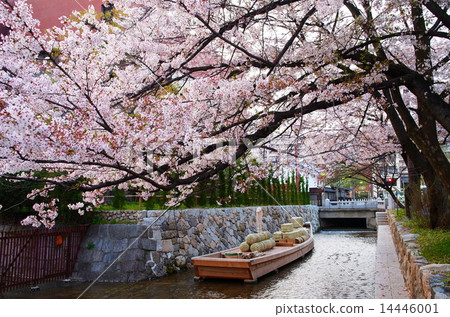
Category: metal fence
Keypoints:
(37, 255)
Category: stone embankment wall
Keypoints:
(423, 280)
(174, 238)
(132, 216)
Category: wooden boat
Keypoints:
(230, 264)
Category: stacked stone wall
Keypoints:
(173, 239)
(131, 216)
(422, 279)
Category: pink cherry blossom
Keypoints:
(167, 93)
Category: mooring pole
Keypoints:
(259, 219)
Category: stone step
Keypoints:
(381, 218)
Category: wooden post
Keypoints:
(68, 253)
(259, 218)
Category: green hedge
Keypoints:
(16, 206)
(268, 191)
(211, 193)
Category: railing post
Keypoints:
(68, 252)
(37, 246)
(2, 260)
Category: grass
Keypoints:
(127, 206)
(434, 244)
(447, 280)
(399, 214)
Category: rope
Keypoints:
(270, 195)
(123, 252)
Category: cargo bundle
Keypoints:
(292, 232)
(257, 242)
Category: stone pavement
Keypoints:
(389, 282)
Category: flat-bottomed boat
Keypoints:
(235, 264)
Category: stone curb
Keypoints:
(423, 280)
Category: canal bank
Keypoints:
(131, 253)
(344, 264)
(341, 266)
(422, 279)
(401, 272)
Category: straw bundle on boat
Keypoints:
(244, 247)
(262, 245)
(257, 242)
(257, 237)
(277, 235)
(287, 227)
(300, 232)
(297, 222)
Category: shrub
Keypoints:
(119, 198)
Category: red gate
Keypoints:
(36, 255)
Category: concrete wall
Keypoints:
(368, 215)
(423, 280)
(173, 240)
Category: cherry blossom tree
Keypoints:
(418, 113)
(161, 95)
(383, 172)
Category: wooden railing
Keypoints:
(36, 255)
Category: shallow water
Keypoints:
(342, 265)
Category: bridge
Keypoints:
(353, 213)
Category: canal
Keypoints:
(342, 265)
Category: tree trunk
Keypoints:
(437, 198)
(424, 134)
(437, 182)
(437, 205)
(413, 196)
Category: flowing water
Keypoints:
(342, 265)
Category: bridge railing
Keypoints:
(354, 204)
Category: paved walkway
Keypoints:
(389, 282)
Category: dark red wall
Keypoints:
(49, 11)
